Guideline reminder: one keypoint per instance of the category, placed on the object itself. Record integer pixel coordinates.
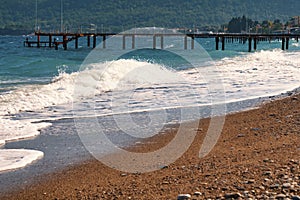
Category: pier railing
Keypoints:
(222, 38)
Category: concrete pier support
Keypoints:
(249, 44)
(223, 43)
(133, 42)
(192, 43)
(88, 41)
(65, 42)
(217, 39)
(185, 42)
(38, 41)
(55, 43)
(50, 41)
(154, 41)
(104, 41)
(124, 42)
(94, 41)
(283, 42)
(287, 43)
(255, 44)
(76, 42)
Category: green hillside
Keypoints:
(118, 15)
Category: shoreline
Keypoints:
(258, 154)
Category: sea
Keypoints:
(58, 106)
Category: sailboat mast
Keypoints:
(61, 16)
(36, 16)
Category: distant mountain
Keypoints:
(118, 15)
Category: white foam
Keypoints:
(96, 79)
(258, 74)
(12, 130)
(116, 75)
(11, 159)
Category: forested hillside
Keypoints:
(117, 15)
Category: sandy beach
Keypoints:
(257, 156)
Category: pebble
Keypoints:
(197, 194)
(286, 185)
(267, 173)
(262, 187)
(246, 192)
(274, 186)
(251, 181)
(232, 196)
(280, 196)
(164, 167)
(183, 196)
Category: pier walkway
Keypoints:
(223, 38)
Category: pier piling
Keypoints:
(217, 42)
(283, 41)
(124, 41)
(50, 41)
(88, 41)
(192, 42)
(65, 42)
(250, 44)
(104, 41)
(154, 41)
(223, 43)
(133, 42)
(38, 41)
(94, 41)
(76, 42)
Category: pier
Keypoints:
(252, 39)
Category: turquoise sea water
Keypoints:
(21, 65)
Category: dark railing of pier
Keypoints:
(222, 38)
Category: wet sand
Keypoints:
(257, 156)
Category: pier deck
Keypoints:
(222, 38)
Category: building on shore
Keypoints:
(295, 21)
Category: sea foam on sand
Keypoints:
(13, 130)
(11, 159)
